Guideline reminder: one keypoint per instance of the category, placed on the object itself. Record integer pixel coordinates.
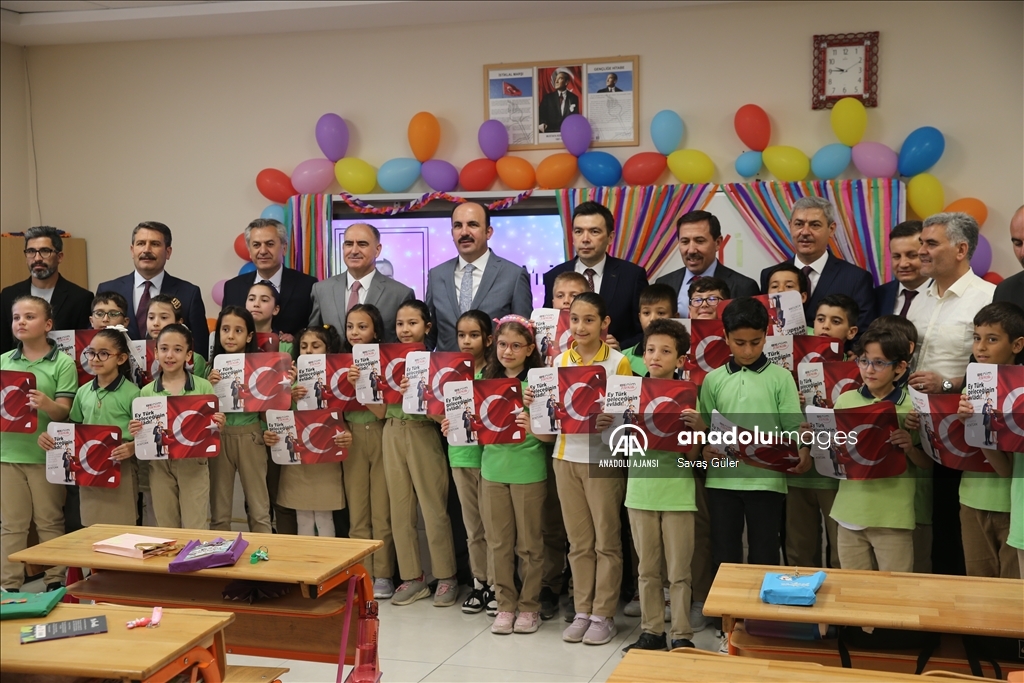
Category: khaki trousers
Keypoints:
(181, 492)
(513, 515)
(241, 450)
(664, 540)
(985, 551)
(590, 509)
(923, 549)
(366, 495)
(481, 559)
(417, 470)
(702, 570)
(887, 550)
(553, 531)
(284, 518)
(112, 506)
(26, 497)
(804, 511)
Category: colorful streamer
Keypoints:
(359, 206)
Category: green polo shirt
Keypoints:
(466, 456)
(665, 488)
(110, 405)
(57, 377)
(395, 410)
(515, 463)
(1016, 538)
(635, 356)
(199, 365)
(359, 417)
(985, 491)
(761, 395)
(194, 386)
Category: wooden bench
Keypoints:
(254, 674)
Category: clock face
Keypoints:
(844, 70)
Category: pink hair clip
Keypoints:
(513, 318)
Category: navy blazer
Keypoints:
(192, 308)
(295, 298)
(71, 306)
(839, 277)
(620, 288)
(739, 284)
(885, 298)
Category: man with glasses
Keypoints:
(44, 251)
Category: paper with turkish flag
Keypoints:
(307, 437)
(444, 367)
(622, 401)
(662, 402)
(708, 350)
(73, 343)
(545, 331)
(822, 383)
(176, 427)
(581, 390)
(997, 393)
(325, 377)
(498, 403)
(810, 349)
(546, 408)
(392, 363)
(369, 386)
(942, 433)
(16, 415)
(785, 312)
(81, 455)
(253, 382)
(867, 453)
(268, 342)
(775, 456)
(824, 453)
(460, 411)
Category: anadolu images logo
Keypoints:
(628, 440)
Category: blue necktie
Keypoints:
(466, 290)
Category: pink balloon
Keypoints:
(218, 292)
(313, 176)
(875, 160)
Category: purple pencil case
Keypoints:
(198, 555)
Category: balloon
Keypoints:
(921, 150)
(398, 175)
(478, 175)
(749, 164)
(493, 139)
(440, 175)
(982, 259)
(273, 212)
(849, 120)
(993, 277)
(925, 195)
(274, 185)
(830, 160)
(355, 175)
(556, 171)
(218, 292)
(691, 166)
(424, 135)
(516, 172)
(576, 134)
(313, 176)
(332, 136)
(643, 168)
(788, 164)
(666, 133)
(875, 160)
(249, 267)
(241, 248)
(753, 127)
(971, 206)
(601, 169)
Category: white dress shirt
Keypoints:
(364, 285)
(816, 269)
(275, 279)
(598, 271)
(157, 285)
(901, 297)
(478, 272)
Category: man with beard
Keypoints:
(1012, 288)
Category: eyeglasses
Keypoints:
(112, 315)
(45, 252)
(699, 301)
(515, 346)
(102, 355)
(864, 364)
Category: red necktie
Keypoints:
(589, 273)
(807, 270)
(142, 312)
(908, 298)
(353, 298)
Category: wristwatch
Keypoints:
(947, 386)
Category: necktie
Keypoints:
(353, 298)
(807, 270)
(589, 273)
(466, 289)
(142, 312)
(908, 298)
(561, 102)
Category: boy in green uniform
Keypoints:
(656, 301)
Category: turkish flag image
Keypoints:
(266, 385)
(445, 367)
(74, 343)
(1008, 421)
(185, 429)
(708, 350)
(81, 455)
(839, 378)
(810, 349)
(16, 415)
(498, 403)
(869, 455)
(581, 390)
(942, 433)
(510, 90)
(325, 377)
(268, 342)
(392, 365)
(662, 402)
(307, 436)
(778, 457)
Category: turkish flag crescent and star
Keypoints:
(191, 431)
(392, 365)
(444, 368)
(840, 377)
(91, 463)
(580, 390)
(316, 431)
(1008, 421)
(16, 415)
(946, 439)
(808, 349)
(662, 402)
(707, 341)
(267, 386)
(510, 90)
(872, 456)
(498, 403)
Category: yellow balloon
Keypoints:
(691, 166)
(849, 120)
(788, 164)
(925, 195)
(355, 175)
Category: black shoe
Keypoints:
(682, 642)
(55, 586)
(569, 610)
(475, 603)
(490, 601)
(648, 641)
(548, 604)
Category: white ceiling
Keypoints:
(54, 22)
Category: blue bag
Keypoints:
(791, 589)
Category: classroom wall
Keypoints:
(176, 130)
(14, 154)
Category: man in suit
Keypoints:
(267, 239)
(699, 235)
(610, 82)
(898, 296)
(476, 279)
(71, 304)
(150, 250)
(811, 227)
(361, 283)
(618, 282)
(556, 105)
(1012, 288)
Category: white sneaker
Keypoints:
(383, 589)
(632, 608)
(698, 622)
(723, 645)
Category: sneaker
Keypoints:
(548, 604)
(601, 631)
(569, 611)
(503, 623)
(668, 606)
(723, 644)
(632, 608)
(647, 641)
(474, 604)
(447, 593)
(527, 622)
(698, 622)
(682, 642)
(490, 601)
(410, 591)
(383, 588)
(579, 627)
(55, 586)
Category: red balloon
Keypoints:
(993, 277)
(478, 175)
(753, 127)
(644, 168)
(241, 248)
(274, 185)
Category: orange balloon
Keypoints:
(556, 171)
(424, 135)
(516, 172)
(971, 206)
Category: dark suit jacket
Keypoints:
(839, 277)
(192, 308)
(1011, 289)
(885, 298)
(295, 298)
(611, 89)
(550, 113)
(71, 307)
(739, 284)
(620, 288)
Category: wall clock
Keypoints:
(845, 65)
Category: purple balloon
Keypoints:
(313, 176)
(332, 136)
(875, 160)
(493, 139)
(982, 259)
(576, 134)
(440, 175)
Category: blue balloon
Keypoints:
(666, 131)
(600, 169)
(748, 164)
(249, 267)
(398, 175)
(921, 150)
(831, 160)
(274, 212)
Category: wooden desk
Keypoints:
(184, 638)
